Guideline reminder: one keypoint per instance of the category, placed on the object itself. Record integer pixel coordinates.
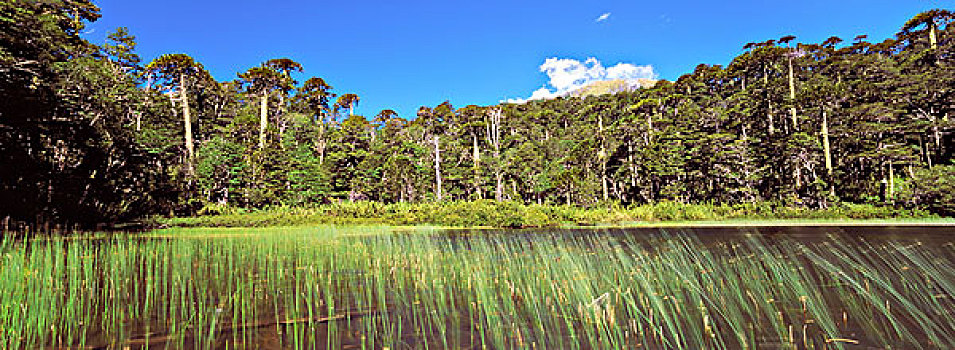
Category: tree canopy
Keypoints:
(88, 134)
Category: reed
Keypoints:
(368, 287)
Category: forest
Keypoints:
(94, 133)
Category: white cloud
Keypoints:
(567, 74)
(603, 17)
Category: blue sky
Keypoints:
(404, 54)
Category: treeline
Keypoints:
(93, 133)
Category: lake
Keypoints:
(589, 288)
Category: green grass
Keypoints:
(512, 214)
(366, 287)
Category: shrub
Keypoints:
(931, 188)
(515, 214)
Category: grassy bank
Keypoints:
(307, 288)
(512, 214)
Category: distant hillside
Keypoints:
(611, 86)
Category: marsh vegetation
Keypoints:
(376, 288)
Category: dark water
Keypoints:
(646, 239)
(928, 234)
(868, 239)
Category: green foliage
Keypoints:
(72, 148)
(487, 213)
(799, 128)
(933, 189)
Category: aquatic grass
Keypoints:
(368, 287)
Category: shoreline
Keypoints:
(731, 223)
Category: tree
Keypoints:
(262, 81)
(384, 116)
(347, 101)
(175, 72)
(69, 152)
(792, 80)
(931, 22)
(314, 95)
(286, 67)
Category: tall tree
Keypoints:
(315, 95)
(792, 80)
(347, 101)
(495, 116)
(262, 81)
(176, 72)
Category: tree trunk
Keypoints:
(769, 119)
(437, 168)
(602, 157)
(932, 37)
(603, 181)
(321, 142)
(499, 189)
(513, 188)
(186, 119)
(476, 150)
(792, 95)
(494, 138)
(263, 117)
(891, 181)
(280, 116)
(633, 167)
(477, 165)
(825, 144)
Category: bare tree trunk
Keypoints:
(495, 115)
(186, 119)
(476, 150)
(602, 157)
(825, 143)
(649, 135)
(283, 124)
(633, 167)
(321, 143)
(263, 117)
(499, 189)
(513, 187)
(769, 118)
(891, 181)
(477, 165)
(797, 175)
(139, 116)
(603, 181)
(932, 37)
(437, 167)
(792, 95)
(938, 136)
